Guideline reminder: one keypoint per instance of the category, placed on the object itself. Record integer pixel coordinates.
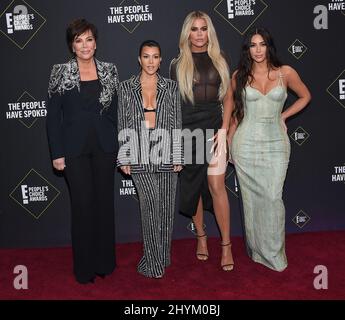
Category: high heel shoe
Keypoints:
(227, 266)
(202, 256)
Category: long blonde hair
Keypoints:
(185, 65)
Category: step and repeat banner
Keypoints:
(35, 208)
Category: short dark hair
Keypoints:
(149, 43)
(78, 27)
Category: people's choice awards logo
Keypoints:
(34, 193)
(26, 109)
(301, 219)
(240, 14)
(20, 22)
(299, 136)
(129, 14)
(297, 49)
(337, 89)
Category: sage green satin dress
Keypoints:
(260, 151)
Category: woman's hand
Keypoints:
(229, 141)
(219, 146)
(126, 169)
(59, 164)
(177, 168)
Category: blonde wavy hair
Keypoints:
(185, 67)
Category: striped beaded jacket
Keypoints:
(136, 141)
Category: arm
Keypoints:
(294, 82)
(228, 101)
(222, 134)
(54, 120)
(232, 129)
(112, 111)
(123, 160)
(177, 148)
(233, 121)
(228, 106)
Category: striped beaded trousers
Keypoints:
(156, 193)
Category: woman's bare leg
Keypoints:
(198, 220)
(216, 182)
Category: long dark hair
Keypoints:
(244, 73)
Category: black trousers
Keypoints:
(90, 178)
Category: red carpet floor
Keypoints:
(50, 274)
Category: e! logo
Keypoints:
(18, 10)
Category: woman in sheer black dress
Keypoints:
(203, 77)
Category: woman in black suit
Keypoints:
(82, 134)
(149, 124)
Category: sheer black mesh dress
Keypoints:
(206, 113)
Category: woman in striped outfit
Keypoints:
(149, 123)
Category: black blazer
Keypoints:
(68, 123)
(130, 126)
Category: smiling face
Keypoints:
(258, 49)
(199, 35)
(84, 45)
(150, 60)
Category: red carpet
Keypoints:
(50, 274)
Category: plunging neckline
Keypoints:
(154, 109)
(265, 94)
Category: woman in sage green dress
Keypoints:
(260, 146)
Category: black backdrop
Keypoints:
(34, 208)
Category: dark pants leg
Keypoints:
(103, 170)
(91, 182)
